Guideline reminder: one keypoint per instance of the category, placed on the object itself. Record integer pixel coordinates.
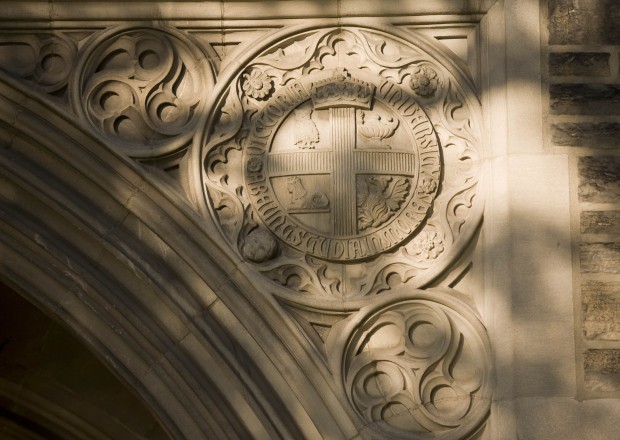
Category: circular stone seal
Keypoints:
(342, 166)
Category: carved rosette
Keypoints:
(418, 367)
(143, 89)
(356, 151)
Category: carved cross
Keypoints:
(345, 161)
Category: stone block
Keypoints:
(584, 99)
(602, 370)
(600, 222)
(579, 63)
(599, 179)
(566, 418)
(600, 257)
(584, 22)
(586, 134)
(600, 307)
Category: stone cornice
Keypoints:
(233, 10)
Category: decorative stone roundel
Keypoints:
(418, 368)
(45, 58)
(143, 89)
(343, 161)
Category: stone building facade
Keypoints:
(310, 219)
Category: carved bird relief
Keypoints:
(306, 133)
(378, 198)
(376, 126)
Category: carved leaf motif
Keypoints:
(402, 271)
(455, 114)
(229, 122)
(378, 197)
(294, 277)
(229, 211)
(387, 53)
(327, 276)
(294, 55)
(459, 207)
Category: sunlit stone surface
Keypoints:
(313, 220)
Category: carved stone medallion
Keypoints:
(417, 366)
(349, 186)
(343, 161)
(46, 58)
(142, 89)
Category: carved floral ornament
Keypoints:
(343, 160)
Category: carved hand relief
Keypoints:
(417, 367)
(143, 89)
(357, 153)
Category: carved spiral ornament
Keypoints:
(143, 89)
(419, 367)
(47, 59)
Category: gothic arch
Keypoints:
(128, 266)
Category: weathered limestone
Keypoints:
(583, 96)
(586, 134)
(599, 179)
(601, 222)
(584, 22)
(584, 99)
(579, 64)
